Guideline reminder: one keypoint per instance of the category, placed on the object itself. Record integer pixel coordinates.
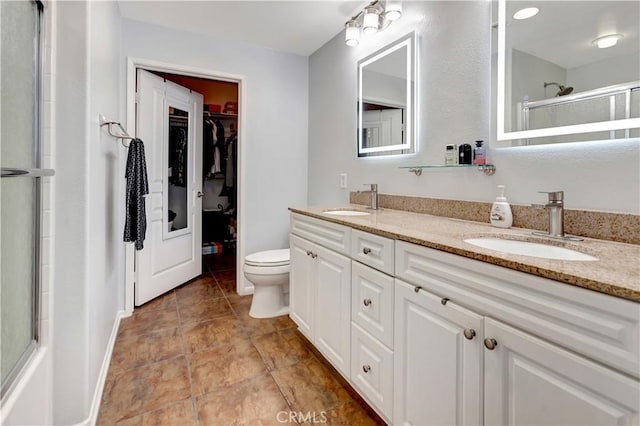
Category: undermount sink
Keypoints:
(346, 212)
(529, 248)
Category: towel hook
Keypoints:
(124, 135)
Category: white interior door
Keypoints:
(169, 122)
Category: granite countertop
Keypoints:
(616, 272)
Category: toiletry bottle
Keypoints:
(465, 154)
(451, 155)
(479, 154)
(501, 216)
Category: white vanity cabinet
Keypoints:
(320, 287)
(430, 338)
(529, 381)
(549, 353)
(438, 360)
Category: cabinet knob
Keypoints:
(366, 250)
(309, 253)
(366, 368)
(469, 333)
(490, 344)
(314, 255)
(444, 301)
(366, 302)
(417, 288)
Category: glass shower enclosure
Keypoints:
(20, 156)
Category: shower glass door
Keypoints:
(20, 184)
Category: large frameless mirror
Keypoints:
(569, 72)
(386, 100)
(177, 212)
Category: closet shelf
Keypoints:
(487, 169)
(220, 115)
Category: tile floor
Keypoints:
(194, 357)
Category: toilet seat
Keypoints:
(268, 259)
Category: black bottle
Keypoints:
(465, 154)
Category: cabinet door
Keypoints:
(332, 326)
(530, 381)
(301, 287)
(437, 360)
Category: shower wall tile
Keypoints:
(44, 330)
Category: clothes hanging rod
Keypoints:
(123, 136)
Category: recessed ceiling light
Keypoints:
(526, 13)
(608, 40)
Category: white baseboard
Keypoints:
(102, 377)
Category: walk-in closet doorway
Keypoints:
(222, 175)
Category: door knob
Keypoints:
(200, 194)
(469, 333)
(490, 344)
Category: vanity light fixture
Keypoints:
(352, 33)
(393, 10)
(526, 13)
(608, 40)
(373, 18)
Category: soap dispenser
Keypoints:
(501, 216)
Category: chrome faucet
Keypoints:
(555, 208)
(374, 195)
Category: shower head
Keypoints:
(562, 90)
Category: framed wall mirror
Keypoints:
(556, 80)
(386, 100)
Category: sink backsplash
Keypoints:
(620, 227)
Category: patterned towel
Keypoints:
(135, 225)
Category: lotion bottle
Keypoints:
(501, 216)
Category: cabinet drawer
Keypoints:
(372, 370)
(327, 234)
(372, 302)
(373, 250)
(595, 325)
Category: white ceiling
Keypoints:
(299, 26)
(563, 31)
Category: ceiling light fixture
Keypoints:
(608, 40)
(393, 10)
(526, 13)
(373, 18)
(352, 33)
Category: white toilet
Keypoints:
(268, 271)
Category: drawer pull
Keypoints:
(444, 301)
(417, 288)
(366, 302)
(366, 368)
(366, 250)
(490, 344)
(469, 333)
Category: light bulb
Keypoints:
(608, 40)
(393, 10)
(370, 21)
(526, 13)
(352, 33)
